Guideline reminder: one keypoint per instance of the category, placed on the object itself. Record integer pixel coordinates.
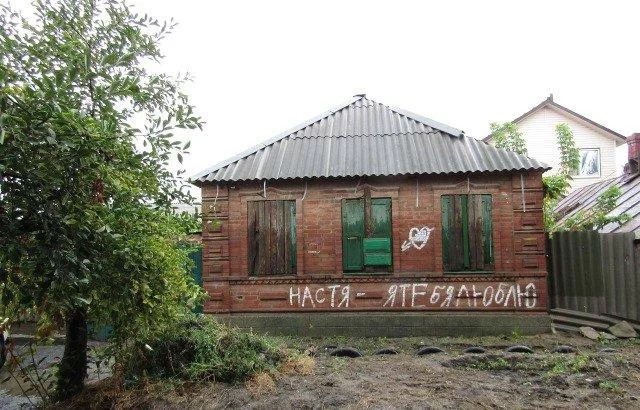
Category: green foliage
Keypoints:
(610, 386)
(200, 349)
(598, 215)
(509, 137)
(580, 363)
(88, 132)
(493, 364)
(556, 186)
(569, 152)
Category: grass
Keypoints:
(580, 363)
(493, 364)
(610, 386)
(338, 364)
(552, 365)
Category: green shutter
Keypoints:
(381, 217)
(196, 273)
(352, 234)
(487, 231)
(447, 210)
(464, 201)
(377, 249)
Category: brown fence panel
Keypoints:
(595, 273)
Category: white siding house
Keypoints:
(597, 143)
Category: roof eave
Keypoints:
(201, 183)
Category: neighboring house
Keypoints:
(596, 142)
(583, 199)
(372, 208)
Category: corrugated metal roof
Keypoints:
(629, 202)
(364, 137)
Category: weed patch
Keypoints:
(202, 350)
(580, 363)
(610, 386)
(553, 365)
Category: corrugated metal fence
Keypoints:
(595, 273)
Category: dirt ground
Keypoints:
(587, 378)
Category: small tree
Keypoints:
(556, 186)
(86, 228)
(509, 137)
(569, 152)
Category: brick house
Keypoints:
(369, 208)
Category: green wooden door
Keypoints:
(352, 234)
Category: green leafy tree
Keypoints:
(569, 152)
(86, 136)
(556, 186)
(509, 137)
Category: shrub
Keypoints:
(201, 349)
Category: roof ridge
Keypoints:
(370, 135)
(350, 122)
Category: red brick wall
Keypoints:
(518, 245)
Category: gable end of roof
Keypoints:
(548, 102)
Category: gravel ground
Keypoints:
(587, 378)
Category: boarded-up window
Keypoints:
(467, 233)
(366, 234)
(272, 238)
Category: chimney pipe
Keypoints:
(633, 146)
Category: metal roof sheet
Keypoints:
(584, 198)
(364, 137)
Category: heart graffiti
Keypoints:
(418, 238)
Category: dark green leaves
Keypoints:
(86, 217)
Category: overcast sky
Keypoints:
(261, 67)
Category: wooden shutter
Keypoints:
(487, 231)
(467, 233)
(377, 246)
(271, 238)
(352, 234)
(480, 232)
(452, 233)
(381, 217)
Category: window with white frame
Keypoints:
(589, 162)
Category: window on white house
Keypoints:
(589, 162)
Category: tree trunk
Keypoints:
(73, 366)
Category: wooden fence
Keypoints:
(597, 273)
